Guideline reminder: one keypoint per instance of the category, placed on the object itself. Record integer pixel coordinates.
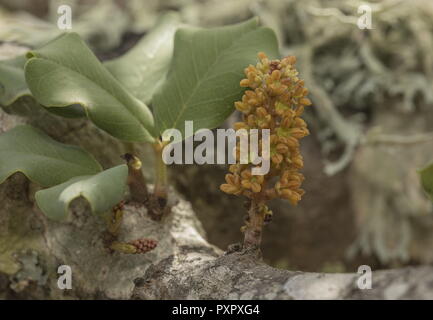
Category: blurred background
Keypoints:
(371, 120)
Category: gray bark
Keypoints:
(200, 275)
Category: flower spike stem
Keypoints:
(254, 226)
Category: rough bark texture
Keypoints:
(198, 274)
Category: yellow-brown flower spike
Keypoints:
(275, 99)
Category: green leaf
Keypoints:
(12, 81)
(42, 159)
(102, 191)
(72, 111)
(15, 96)
(426, 175)
(207, 66)
(66, 72)
(144, 68)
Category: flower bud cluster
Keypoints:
(143, 245)
(275, 100)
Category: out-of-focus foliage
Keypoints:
(363, 68)
(100, 21)
(354, 71)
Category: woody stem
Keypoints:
(254, 226)
(136, 180)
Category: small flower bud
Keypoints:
(305, 101)
(262, 55)
(282, 148)
(276, 75)
(244, 83)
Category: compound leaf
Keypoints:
(42, 159)
(207, 66)
(15, 96)
(102, 191)
(12, 81)
(65, 72)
